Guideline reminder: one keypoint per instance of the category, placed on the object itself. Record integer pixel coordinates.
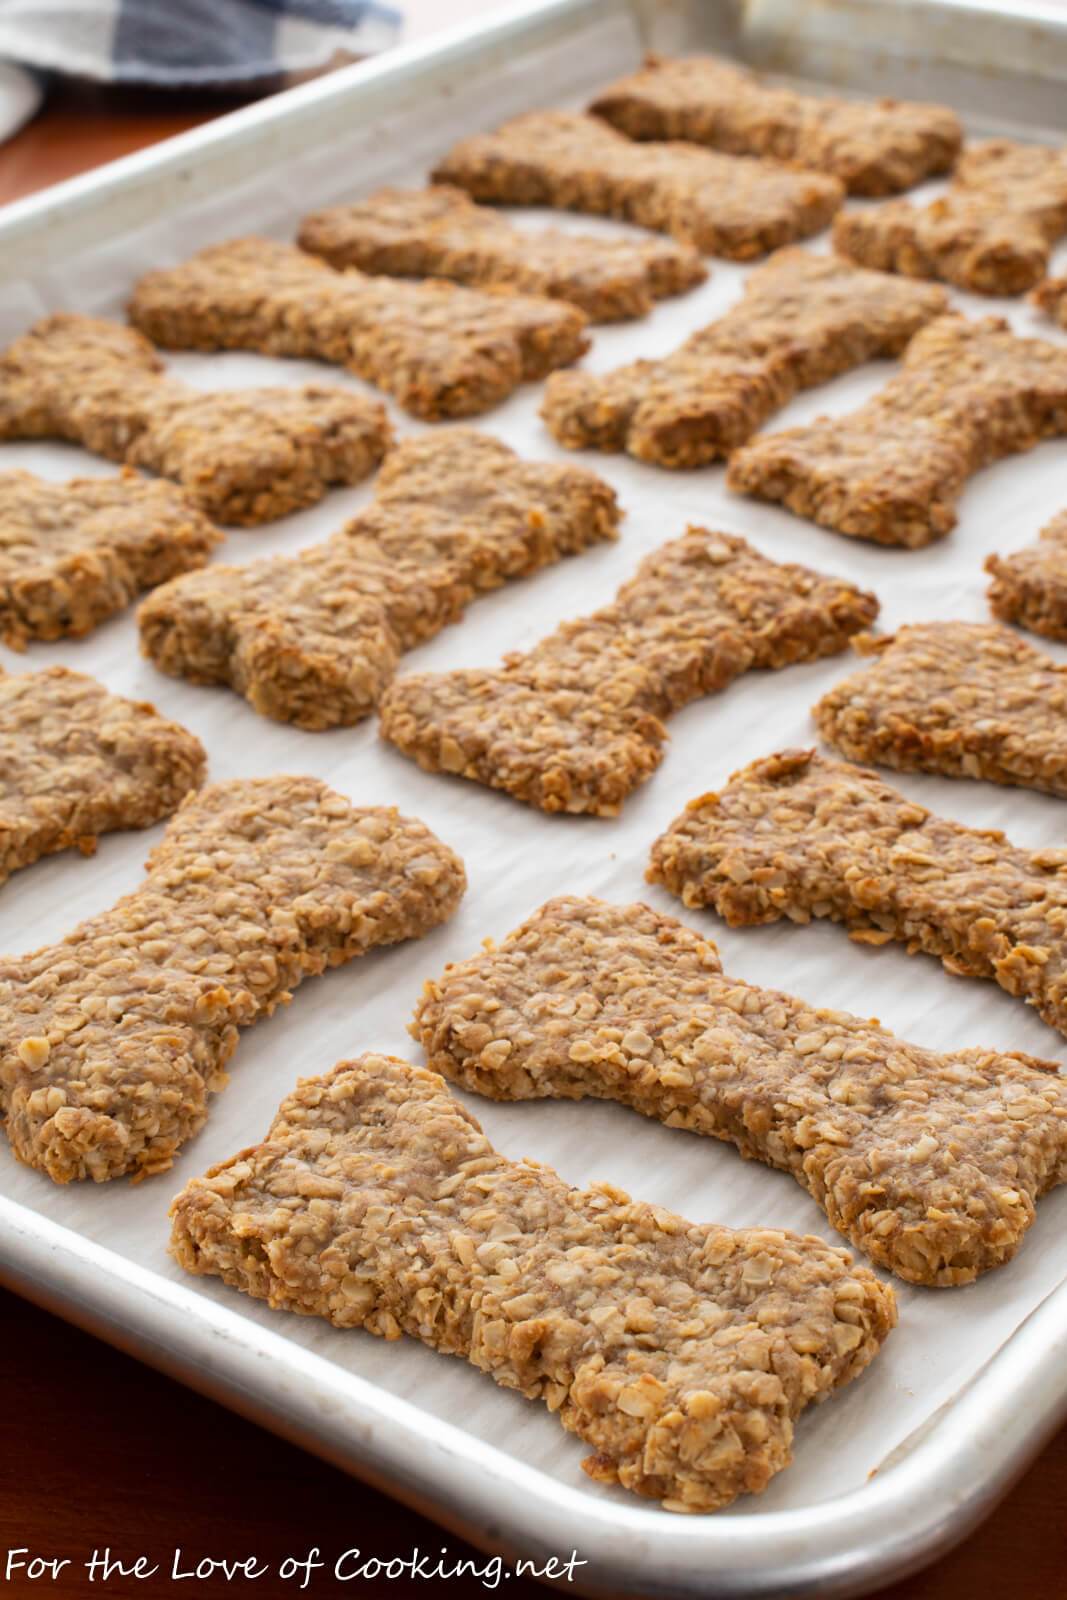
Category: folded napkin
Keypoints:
(190, 42)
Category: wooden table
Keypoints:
(99, 1451)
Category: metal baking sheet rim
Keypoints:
(936, 1485)
(973, 34)
(926, 1497)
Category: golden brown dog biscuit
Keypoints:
(798, 835)
(969, 393)
(722, 205)
(243, 455)
(315, 638)
(576, 723)
(76, 762)
(991, 233)
(802, 320)
(438, 349)
(112, 1040)
(1030, 586)
(924, 1161)
(967, 699)
(72, 554)
(682, 1353)
(874, 146)
(440, 232)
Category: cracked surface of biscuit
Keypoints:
(991, 233)
(72, 554)
(76, 762)
(969, 394)
(575, 724)
(1029, 586)
(681, 1353)
(929, 1163)
(440, 350)
(440, 232)
(722, 205)
(800, 835)
(801, 321)
(875, 147)
(966, 699)
(112, 1040)
(315, 638)
(242, 456)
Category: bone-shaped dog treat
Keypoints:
(875, 146)
(112, 1041)
(802, 320)
(967, 699)
(440, 232)
(969, 393)
(314, 638)
(801, 836)
(244, 456)
(575, 725)
(1030, 586)
(929, 1163)
(72, 554)
(440, 350)
(682, 1353)
(76, 761)
(992, 232)
(722, 205)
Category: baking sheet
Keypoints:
(516, 858)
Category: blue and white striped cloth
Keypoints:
(190, 42)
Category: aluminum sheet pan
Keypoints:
(973, 1380)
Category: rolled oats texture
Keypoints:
(798, 835)
(732, 206)
(439, 349)
(576, 724)
(1029, 586)
(802, 320)
(440, 232)
(76, 762)
(112, 1041)
(969, 394)
(243, 456)
(681, 1353)
(874, 147)
(992, 232)
(73, 554)
(931, 1164)
(313, 639)
(967, 699)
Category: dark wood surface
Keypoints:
(83, 126)
(97, 1451)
